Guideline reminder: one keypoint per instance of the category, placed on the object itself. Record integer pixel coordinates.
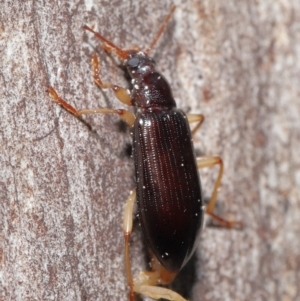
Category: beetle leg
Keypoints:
(141, 286)
(199, 118)
(122, 94)
(127, 116)
(127, 228)
(203, 162)
(145, 283)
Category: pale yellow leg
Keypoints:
(146, 282)
(122, 94)
(127, 228)
(127, 116)
(203, 162)
(199, 118)
(157, 292)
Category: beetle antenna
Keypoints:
(122, 54)
(161, 30)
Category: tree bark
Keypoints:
(63, 182)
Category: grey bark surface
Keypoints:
(63, 182)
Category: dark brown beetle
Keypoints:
(168, 191)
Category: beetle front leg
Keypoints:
(122, 94)
(203, 162)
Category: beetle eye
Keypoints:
(133, 62)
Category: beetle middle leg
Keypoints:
(203, 162)
(199, 118)
(127, 116)
(146, 281)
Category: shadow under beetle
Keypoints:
(170, 206)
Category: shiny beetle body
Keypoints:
(170, 207)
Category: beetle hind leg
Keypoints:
(127, 228)
(203, 162)
(146, 282)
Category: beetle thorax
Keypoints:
(150, 88)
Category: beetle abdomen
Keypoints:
(168, 185)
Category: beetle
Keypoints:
(168, 194)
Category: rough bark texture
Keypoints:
(63, 183)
